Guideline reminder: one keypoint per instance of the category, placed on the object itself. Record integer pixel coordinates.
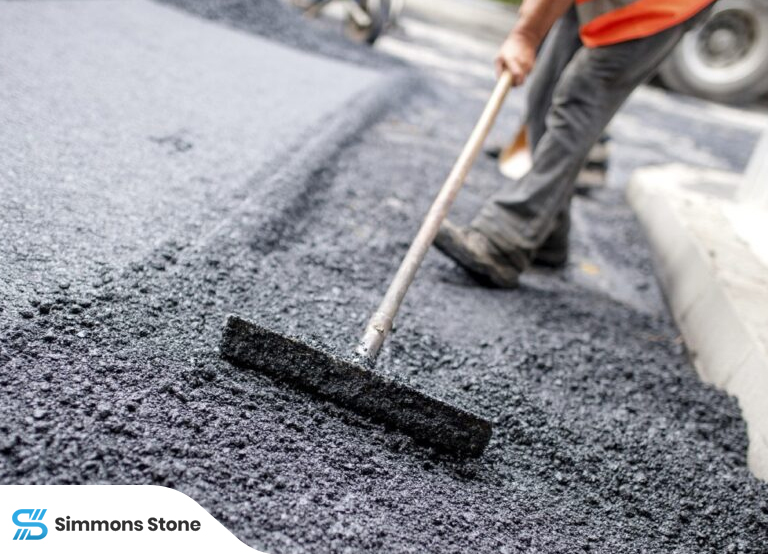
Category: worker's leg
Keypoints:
(592, 88)
(561, 44)
(558, 48)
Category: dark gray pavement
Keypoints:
(133, 123)
(604, 441)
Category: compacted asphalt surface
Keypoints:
(604, 438)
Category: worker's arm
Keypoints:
(535, 19)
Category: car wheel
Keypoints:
(725, 58)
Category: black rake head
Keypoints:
(427, 419)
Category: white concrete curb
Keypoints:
(715, 283)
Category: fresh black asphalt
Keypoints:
(604, 438)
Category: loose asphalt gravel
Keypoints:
(604, 438)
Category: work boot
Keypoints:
(475, 252)
(554, 251)
(594, 174)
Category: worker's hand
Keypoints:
(517, 54)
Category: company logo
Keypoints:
(26, 528)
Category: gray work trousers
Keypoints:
(574, 92)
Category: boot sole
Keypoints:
(480, 271)
(554, 260)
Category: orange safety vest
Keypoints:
(604, 22)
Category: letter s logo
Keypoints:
(24, 533)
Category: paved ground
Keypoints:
(145, 131)
(604, 440)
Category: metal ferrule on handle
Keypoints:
(381, 321)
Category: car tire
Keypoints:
(726, 57)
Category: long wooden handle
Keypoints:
(381, 321)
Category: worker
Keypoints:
(596, 54)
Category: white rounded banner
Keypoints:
(108, 518)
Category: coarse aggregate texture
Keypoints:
(604, 440)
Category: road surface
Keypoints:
(605, 440)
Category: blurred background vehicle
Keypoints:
(364, 20)
(726, 58)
